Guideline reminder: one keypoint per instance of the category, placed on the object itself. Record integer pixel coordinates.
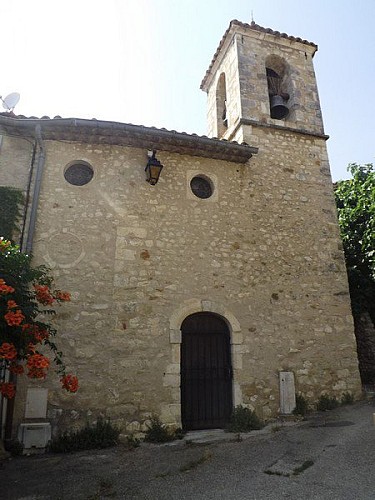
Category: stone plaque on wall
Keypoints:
(36, 402)
(287, 393)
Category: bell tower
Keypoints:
(262, 90)
(261, 78)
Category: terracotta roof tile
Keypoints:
(127, 134)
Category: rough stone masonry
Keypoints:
(263, 251)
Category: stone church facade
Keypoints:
(193, 295)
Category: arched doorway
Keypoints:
(206, 372)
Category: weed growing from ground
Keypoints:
(302, 406)
(101, 435)
(347, 399)
(132, 441)
(327, 403)
(244, 420)
(15, 448)
(158, 433)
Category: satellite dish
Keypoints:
(10, 101)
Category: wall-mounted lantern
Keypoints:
(153, 168)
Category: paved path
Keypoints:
(331, 456)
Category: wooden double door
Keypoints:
(206, 372)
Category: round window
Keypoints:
(201, 187)
(79, 174)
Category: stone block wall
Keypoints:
(263, 252)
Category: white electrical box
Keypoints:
(34, 435)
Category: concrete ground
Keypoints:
(329, 456)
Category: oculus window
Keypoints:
(79, 173)
(201, 187)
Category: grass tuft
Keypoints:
(326, 403)
(101, 435)
(244, 420)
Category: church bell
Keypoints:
(278, 108)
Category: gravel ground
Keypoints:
(329, 456)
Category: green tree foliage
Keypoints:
(355, 199)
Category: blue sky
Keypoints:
(142, 61)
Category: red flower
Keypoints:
(36, 373)
(30, 348)
(14, 318)
(4, 288)
(63, 296)
(70, 383)
(26, 326)
(39, 334)
(36, 364)
(8, 390)
(8, 351)
(37, 361)
(15, 368)
(11, 304)
(43, 295)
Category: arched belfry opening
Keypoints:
(221, 106)
(206, 372)
(277, 83)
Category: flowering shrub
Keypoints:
(26, 297)
(70, 383)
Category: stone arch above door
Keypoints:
(171, 412)
(195, 305)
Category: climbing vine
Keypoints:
(11, 199)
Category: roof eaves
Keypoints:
(126, 134)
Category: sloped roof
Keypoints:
(254, 27)
(125, 134)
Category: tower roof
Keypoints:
(235, 24)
